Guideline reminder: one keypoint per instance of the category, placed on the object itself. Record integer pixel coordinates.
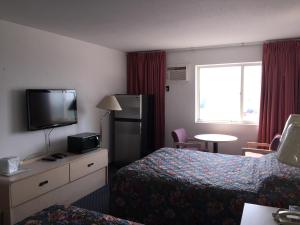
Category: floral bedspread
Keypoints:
(59, 215)
(174, 186)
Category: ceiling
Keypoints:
(131, 25)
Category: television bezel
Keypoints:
(29, 126)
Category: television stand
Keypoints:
(63, 181)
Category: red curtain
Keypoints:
(280, 87)
(146, 75)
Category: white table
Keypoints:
(215, 139)
(258, 215)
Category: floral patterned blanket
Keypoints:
(175, 186)
(59, 215)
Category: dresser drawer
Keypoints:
(89, 164)
(37, 185)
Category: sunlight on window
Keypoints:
(215, 94)
(228, 93)
(252, 85)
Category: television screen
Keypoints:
(50, 108)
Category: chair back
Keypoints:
(275, 142)
(179, 135)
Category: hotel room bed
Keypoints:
(59, 215)
(174, 186)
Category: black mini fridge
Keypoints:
(133, 128)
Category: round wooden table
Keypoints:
(215, 139)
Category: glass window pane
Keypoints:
(220, 89)
(252, 86)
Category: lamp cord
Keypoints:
(47, 139)
(102, 118)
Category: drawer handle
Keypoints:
(43, 183)
(91, 164)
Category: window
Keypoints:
(228, 93)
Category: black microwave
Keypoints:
(83, 142)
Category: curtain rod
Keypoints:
(215, 46)
(231, 45)
(284, 39)
(145, 51)
(220, 46)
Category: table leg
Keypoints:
(215, 147)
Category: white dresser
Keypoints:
(47, 183)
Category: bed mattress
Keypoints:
(179, 186)
(59, 215)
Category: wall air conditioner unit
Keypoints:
(177, 73)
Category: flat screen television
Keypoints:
(48, 108)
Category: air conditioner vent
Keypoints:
(177, 73)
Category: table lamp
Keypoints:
(289, 148)
(108, 103)
(292, 119)
(289, 153)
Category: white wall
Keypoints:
(31, 58)
(180, 101)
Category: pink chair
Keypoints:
(181, 140)
(255, 149)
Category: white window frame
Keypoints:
(197, 92)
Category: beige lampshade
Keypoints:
(109, 103)
(289, 148)
(293, 118)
